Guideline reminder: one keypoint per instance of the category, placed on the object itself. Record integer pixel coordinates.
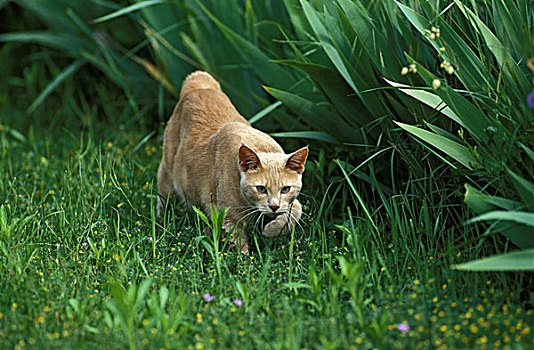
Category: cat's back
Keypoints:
(202, 110)
(233, 135)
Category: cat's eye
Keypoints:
(261, 189)
(285, 189)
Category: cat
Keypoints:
(212, 155)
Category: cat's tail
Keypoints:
(198, 80)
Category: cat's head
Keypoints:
(270, 182)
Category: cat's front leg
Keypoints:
(237, 236)
(284, 222)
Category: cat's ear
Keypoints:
(248, 160)
(297, 160)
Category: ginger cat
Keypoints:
(211, 154)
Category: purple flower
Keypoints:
(59, 245)
(151, 239)
(168, 265)
(403, 327)
(84, 244)
(207, 297)
(530, 99)
(238, 302)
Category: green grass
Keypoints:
(87, 264)
(92, 267)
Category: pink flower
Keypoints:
(403, 327)
(207, 297)
(151, 239)
(238, 302)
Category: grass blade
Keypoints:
(312, 135)
(128, 9)
(55, 83)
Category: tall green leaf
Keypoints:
(453, 149)
(317, 117)
(514, 261)
(512, 226)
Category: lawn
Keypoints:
(85, 263)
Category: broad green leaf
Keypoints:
(428, 98)
(510, 226)
(514, 261)
(521, 217)
(481, 203)
(525, 189)
(444, 133)
(202, 216)
(455, 150)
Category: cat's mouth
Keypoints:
(270, 215)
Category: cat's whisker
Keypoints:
(292, 219)
(257, 220)
(247, 215)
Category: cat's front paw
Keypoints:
(276, 227)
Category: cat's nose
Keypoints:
(274, 207)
